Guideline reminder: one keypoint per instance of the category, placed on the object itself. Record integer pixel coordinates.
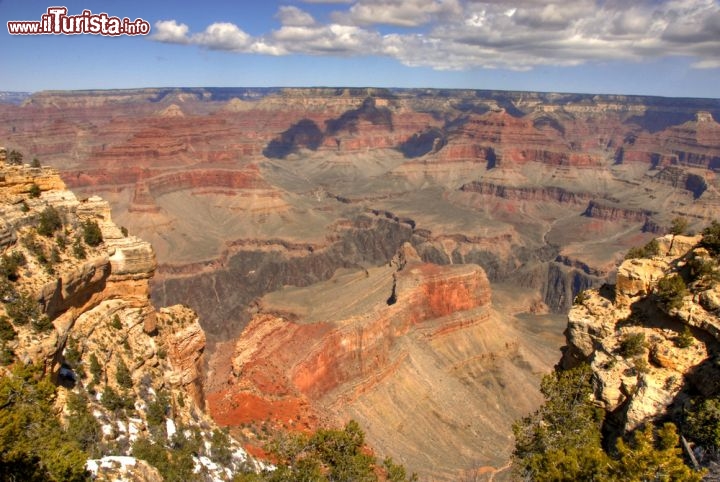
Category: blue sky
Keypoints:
(651, 47)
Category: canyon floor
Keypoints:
(405, 258)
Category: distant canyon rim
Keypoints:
(402, 257)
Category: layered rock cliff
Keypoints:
(76, 303)
(394, 347)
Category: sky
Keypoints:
(646, 47)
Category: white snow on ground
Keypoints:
(170, 428)
(134, 428)
(108, 462)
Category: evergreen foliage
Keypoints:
(711, 238)
(651, 249)
(685, 339)
(95, 368)
(327, 455)
(652, 455)
(14, 157)
(562, 440)
(91, 233)
(33, 445)
(116, 323)
(632, 344)
(174, 465)
(702, 423)
(83, 427)
(671, 290)
(122, 375)
(79, 249)
(678, 226)
(220, 447)
(23, 310)
(10, 264)
(49, 222)
(7, 332)
(156, 413)
(34, 191)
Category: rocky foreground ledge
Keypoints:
(651, 338)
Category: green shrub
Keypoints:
(220, 447)
(14, 157)
(83, 427)
(7, 356)
(711, 238)
(685, 339)
(652, 248)
(703, 423)
(7, 332)
(33, 445)
(116, 323)
(122, 375)
(91, 233)
(95, 368)
(79, 249)
(34, 191)
(10, 264)
(641, 366)
(671, 290)
(678, 226)
(41, 324)
(156, 413)
(49, 221)
(22, 310)
(114, 401)
(72, 352)
(61, 241)
(632, 344)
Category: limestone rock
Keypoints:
(636, 279)
(647, 383)
(185, 340)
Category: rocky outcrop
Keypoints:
(530, 193)
(642, 383)
(80, 308)
(612, 212)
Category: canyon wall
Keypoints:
(249, 194)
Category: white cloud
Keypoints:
(170, 31)
(223, 36)
(289, 15)
(456, 34)
(327, 39)
(404, 13)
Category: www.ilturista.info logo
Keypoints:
(57, 22)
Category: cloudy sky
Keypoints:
(654, 47)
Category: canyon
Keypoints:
(405, 258)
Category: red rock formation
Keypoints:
(280, 363)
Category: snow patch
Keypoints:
(108, 462)
(170, 428)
